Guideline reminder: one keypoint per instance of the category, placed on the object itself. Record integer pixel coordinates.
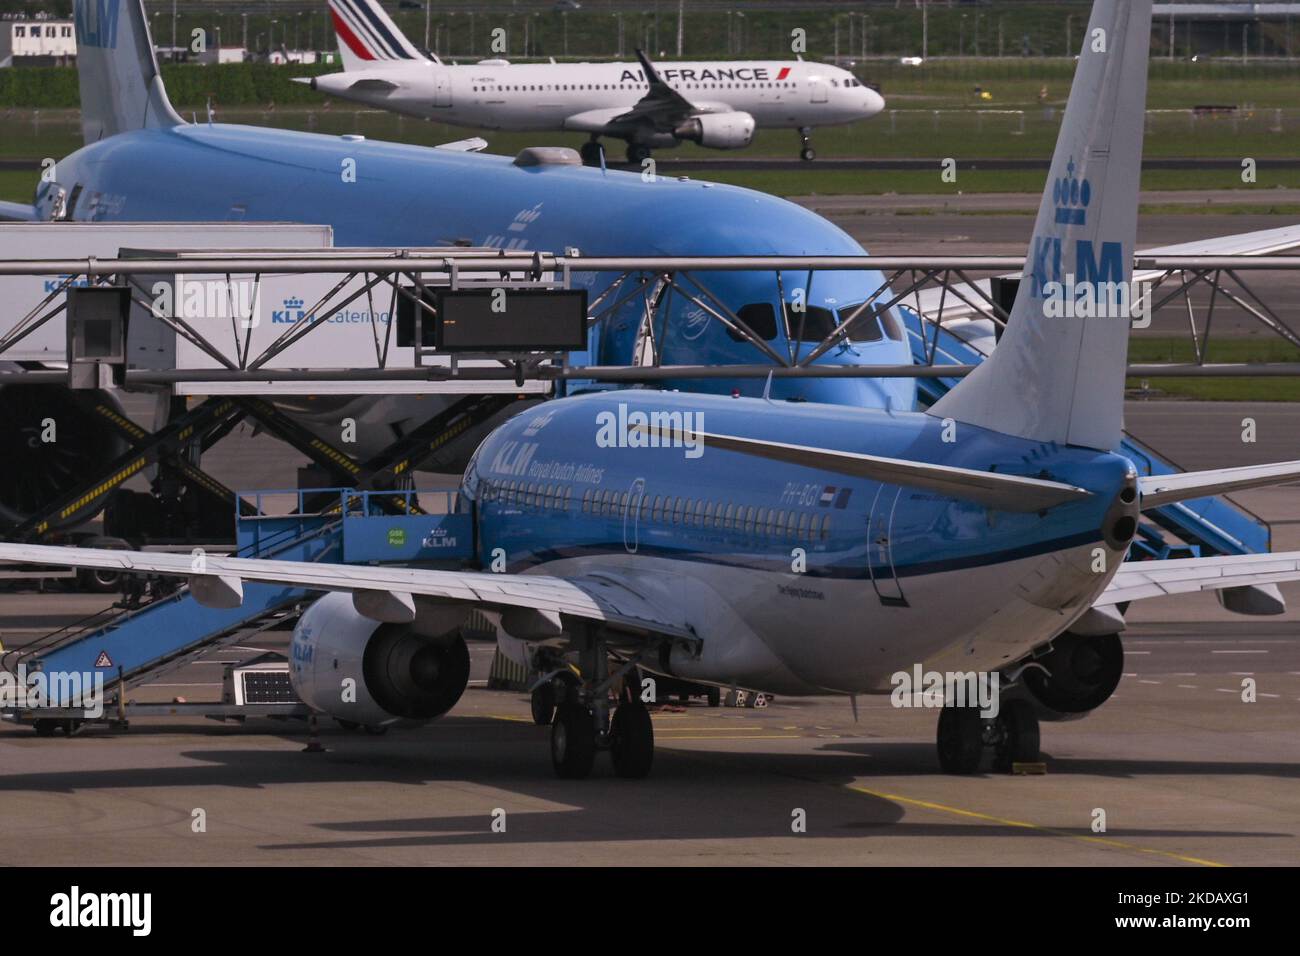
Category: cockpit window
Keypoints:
(815, 323)
(760, 317)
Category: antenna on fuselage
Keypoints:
(767, 387)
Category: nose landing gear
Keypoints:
(806, 152)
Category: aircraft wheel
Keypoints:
(348, 725)
(715, 696)
(637, 154)
(632, 741)
(543, 703)
(960, 739)
(590, 152)
(1018, 738)
(807, 154)
(45, 726)
(573, 741)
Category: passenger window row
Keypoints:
(678, 511)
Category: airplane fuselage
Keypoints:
(807, 581)
(387, 194)
(494, 94)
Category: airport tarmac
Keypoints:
(1185, 772)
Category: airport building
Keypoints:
(37, 43)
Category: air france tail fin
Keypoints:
(1058, 372)
(121, 88)
(368, 37)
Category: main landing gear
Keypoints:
(590, 152)
(582, 724)
(806, 151)
(964, 735)
(637, 154)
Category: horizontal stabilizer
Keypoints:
(997, 491)
(1137, 580)
(1158, 490)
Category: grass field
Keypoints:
(1254, 349)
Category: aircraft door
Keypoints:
(818, 89)
(880, 549)
(632, 516)
(441, 88)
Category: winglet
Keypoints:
(651, 74)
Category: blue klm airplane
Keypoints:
(800, 548)
(143, 162)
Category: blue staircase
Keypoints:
(1206, 526)
(133, 645)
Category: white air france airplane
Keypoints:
(715, 104)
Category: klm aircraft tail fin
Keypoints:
(121, 88)
(1058, 372)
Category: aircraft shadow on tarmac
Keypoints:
(681, 800)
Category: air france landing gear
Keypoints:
(590, 152)
(806, 152)
(964, 734)
(637, 154)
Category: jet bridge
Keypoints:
(258, 359)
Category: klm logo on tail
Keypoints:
(1092, 269)
(1072, 197)
(97, 23)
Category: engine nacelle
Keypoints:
(1078, 675)
(718, 130)
(358, 670)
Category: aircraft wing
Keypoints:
(661, 107)
(594, 597)
(1136, 580)
(474, 144)
(17, 212)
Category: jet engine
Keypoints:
(1078, 675)
(362, 671)
(52, 439)
(718, 130)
